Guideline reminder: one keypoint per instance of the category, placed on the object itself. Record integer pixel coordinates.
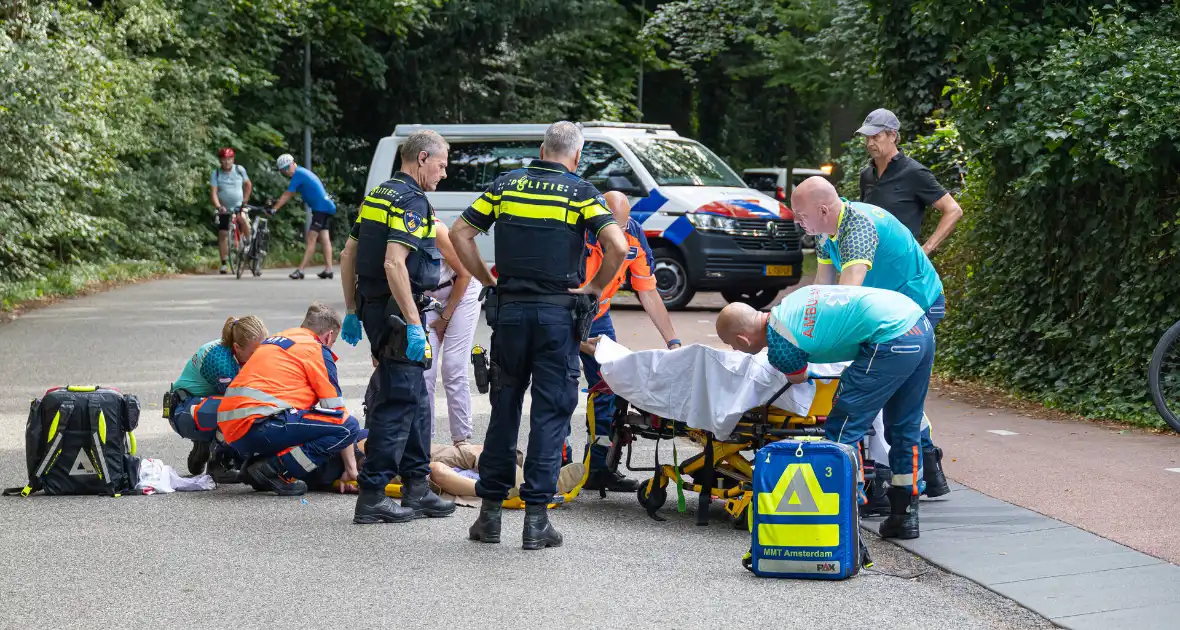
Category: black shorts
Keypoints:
(223, 220)
(319, 221)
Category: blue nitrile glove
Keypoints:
(415, 342)
(352, 331)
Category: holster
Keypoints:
(585, 308)
(396, 339)
(491, 306)
(172, 400)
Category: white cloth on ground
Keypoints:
(156, 477)
(704, 387)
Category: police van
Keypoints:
(707, 229)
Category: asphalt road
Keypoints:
(235, 558)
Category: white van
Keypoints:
(708, 231)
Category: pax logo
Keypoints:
(826, 567)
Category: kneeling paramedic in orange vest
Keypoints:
(285, 409)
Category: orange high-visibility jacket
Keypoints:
(290, 370)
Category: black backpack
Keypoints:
(79, 440)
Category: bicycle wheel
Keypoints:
(232, 242)
(1163, 377)
(240, 255)
(260, 250)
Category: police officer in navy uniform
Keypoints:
(389, 262)
(538, 318)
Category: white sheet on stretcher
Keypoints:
(707, 388)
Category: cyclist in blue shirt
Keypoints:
(891, 345)
(311, 189)
(866, 246)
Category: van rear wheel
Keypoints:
(757, 298)
(672, 279)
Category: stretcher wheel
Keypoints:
(653, 500)
(742, 523)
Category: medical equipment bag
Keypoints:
(79, 440)
(804, 520)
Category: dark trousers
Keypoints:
(531, 341)
(891, 378)
(935, 314)
(398, 419)
(299, 440)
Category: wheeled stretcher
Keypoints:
(723, 470)
(727, 403)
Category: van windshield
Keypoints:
(683, 163)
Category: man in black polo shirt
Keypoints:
(896, 182)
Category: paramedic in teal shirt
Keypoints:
(311, 189)
(195, 395)
(891, 345)
(866, 246)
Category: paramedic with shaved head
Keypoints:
(891, 345)
(538, 311)
(864, 245)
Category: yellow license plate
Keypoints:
(780, 270)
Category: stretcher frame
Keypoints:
(721, 470)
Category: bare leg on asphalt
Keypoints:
(326, 241)
(308, 253)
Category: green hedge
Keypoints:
(1064, 273)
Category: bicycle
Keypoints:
(234, 241)
(1163, 377)
(255, 251)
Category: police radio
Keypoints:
(479, 360)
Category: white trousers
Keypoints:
(453, 353)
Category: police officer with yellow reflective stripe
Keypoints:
(390, 261)
(538, 318)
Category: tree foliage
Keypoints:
(1066, 278)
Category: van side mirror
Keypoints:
(623, 184)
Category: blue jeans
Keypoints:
(299, 441)
(935, 314)
(531, 340)
(892, 378)
(602, 411)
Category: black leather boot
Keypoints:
(936, 484)
(487, 527)
(265, 477)
(221, 472)
(539, 533)
(417, 496)
(611, 481)
(372, 506)
(903, 514)
(197, 457)
(878, 504)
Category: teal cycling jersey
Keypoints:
(828, 324)
(866, 234)
(209, 371)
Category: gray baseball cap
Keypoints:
(877, 121)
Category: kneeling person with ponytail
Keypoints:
(193, 399)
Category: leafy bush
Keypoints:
(1065, 273)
